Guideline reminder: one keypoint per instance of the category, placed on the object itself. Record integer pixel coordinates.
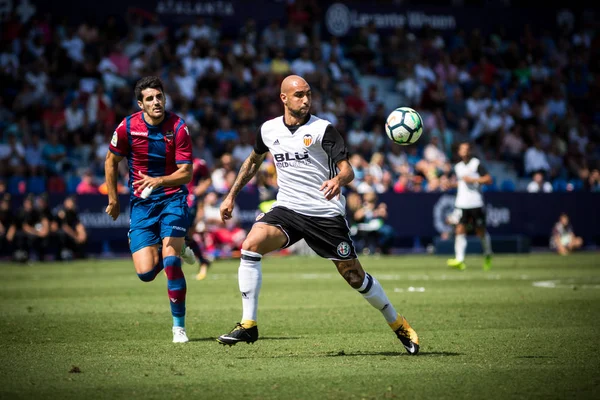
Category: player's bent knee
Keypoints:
(147, 276)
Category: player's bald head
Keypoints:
(293, 83)
(296, 96)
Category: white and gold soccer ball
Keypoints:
(404, 126)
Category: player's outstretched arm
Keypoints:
(333, 187)
(247, 171)
(111, 172)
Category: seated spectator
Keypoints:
(7, 226)
(434, 162)
(219, 175)
(538, 184)
(221, 239)
(563, 239)
(87, 184)
(373, 234)
(73, 235)
(54, 154)
(535, 159)
(592, 184)
(31, 233)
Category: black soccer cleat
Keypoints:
(239, 334)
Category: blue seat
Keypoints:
(577, 184)
(72, 183)
(17, 185)
(559, 185)
(36, 184)
(507, 186)
(492, 187)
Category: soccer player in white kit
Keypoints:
(471, 175)
(312, 166)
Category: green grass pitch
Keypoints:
(529, 328)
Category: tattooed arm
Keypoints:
(247, 171)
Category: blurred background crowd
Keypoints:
(527, 102)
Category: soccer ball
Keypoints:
(404, 126)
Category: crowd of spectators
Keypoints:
(526, 101)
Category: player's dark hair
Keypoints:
(147, 82)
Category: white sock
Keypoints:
(460, 245)
(486, 244)
(250, 280)
(375, 295)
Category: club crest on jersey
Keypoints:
(343, 249)
(308, 139)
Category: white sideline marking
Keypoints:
(570, 283)
(410, 289)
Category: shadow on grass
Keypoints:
(359, 354)
(393, 354)
(209, 339)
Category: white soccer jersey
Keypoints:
(469, 194)
(305, 156)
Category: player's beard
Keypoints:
(300, 113)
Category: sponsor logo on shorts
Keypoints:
(178, 228)
(343, 249)
(308, 139)
(259, 216)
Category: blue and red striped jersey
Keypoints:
(153, 150)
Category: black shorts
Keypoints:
(472, 217)
(329, 237)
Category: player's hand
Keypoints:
(331, 188)
(141, 184)
(113, 209)
(227, 208)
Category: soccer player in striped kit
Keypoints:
(158, 149)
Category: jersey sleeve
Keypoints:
(259, 146)
(183, 149)
(334, 145)
(481, 170)
(119, 143)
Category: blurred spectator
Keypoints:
(75, 117)
(219, 175)
(563, 239)
(73, 235)
(54, 154)
(221, 239)
(87, 184)
(538, 184)
(535, 159)
(7, 227)
(373, 235)
(31, 233)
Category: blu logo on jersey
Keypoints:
(290, 157)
